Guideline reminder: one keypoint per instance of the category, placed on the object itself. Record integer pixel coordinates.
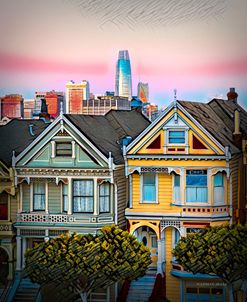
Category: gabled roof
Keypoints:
(217, 117)
(105, 132)
(15, 136)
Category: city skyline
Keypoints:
(197, 48)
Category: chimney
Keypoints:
(232, 95)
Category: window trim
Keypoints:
(33, 196)
(156, 189)
(110, 196)
(93, 196)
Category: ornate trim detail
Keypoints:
(154, 169)
(170, 223)
(216, 170)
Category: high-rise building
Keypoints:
(123, 80)
(143, 92)
(11, 106)
(75, 95)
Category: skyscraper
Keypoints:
(123, 81)
(76, 93)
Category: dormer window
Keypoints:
(64, 149)
(176, 137)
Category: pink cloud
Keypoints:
(238, 67)
(11, 62)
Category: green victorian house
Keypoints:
(71, 177)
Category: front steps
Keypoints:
(141, 289)
(27, 291)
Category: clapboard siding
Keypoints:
(26, 198)
(54, 198)
(121, 182)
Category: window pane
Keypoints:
(176, 137)
(190, 194)
(83, 204)
(177, 180)
(154, 243)
(196, 180)
(219, 195)
(149, 193)
(104, 197)
(83, 195)
(218, 180)
(202, 195)
(149, 179)
(39, 188)
(176, 236)
(39, 202)
(65, 203)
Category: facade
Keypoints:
(70, 178)
(11, 106)
(104, 104)
(186, 172)
(123, 80)
(76, 93)
(29, 107)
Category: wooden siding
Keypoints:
(234, 167)
(26, 198)
(54, 198)
(172, 283)
(121, 182)
(13, 208)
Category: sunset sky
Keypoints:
(198, 47)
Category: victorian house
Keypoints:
(15, 136)
(71, 177)
(187, 171)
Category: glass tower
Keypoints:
(123, 81)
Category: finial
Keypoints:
(61, 108)
(175, 95)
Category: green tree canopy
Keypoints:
(86, 262)
(220, 251)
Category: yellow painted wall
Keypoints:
(177, 163)
(172, 283)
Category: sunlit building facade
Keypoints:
(143, 92)
(123, 81)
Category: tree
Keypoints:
(220, 251)
(86, 262)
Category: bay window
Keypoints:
(219, 188)
(38, 196)
(149, 187)
(83, 196)
(196, 186)
(104, 197)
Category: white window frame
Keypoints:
(156, 189)
(32, 194)
(173, 186)
(208, 186)
(221, 202)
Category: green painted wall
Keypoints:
(26, 198)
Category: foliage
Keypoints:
(86, 262)
(220, 250)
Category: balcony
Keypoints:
(74, 219)
(205, 211)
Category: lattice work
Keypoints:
(33, 233)
(45, 218)
(57, 232)
(6, 227)
(172, 223)
(153, 169)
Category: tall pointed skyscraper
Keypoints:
(123, 80)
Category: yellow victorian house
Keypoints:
(186, 172)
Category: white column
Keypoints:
(31, 197)
(73, 149)
(53, 147)
(46, 235)
(69, 196)
(24, 247)
(18, 253)
(21, 199)
(46, 197)
(159, 262)
(95, 193)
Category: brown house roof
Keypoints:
(15, 136)
(217, 117)
(106, 132)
